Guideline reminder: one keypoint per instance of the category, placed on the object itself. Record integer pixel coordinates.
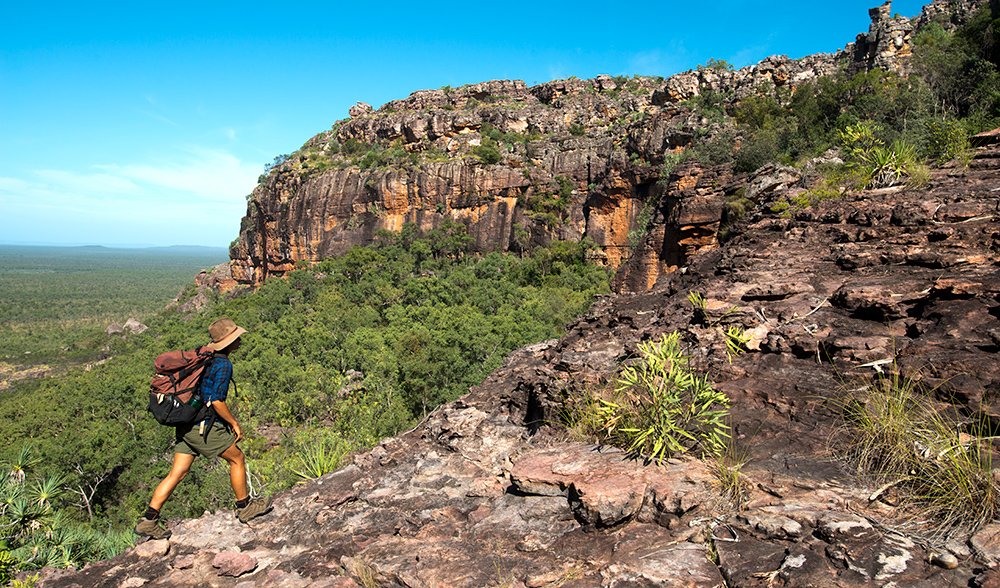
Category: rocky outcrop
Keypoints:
(950, 13)
(519, 166)
(490, 490)
(887, 45)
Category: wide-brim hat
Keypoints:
(223, 332)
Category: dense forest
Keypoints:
(349, 350)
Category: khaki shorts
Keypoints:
(190, 442)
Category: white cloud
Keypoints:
(196, 197)
(90, 183)
(207, 173)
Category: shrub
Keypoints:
(487, 152)
(576, 129)
(716, 149)
(660, 408)
(318, 454)
(877, 166)
(896, 437)
(757, 150)
(944, 139)
(642, 224)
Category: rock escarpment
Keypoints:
(520, 166)
(489, 490)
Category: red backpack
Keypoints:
(174, 398)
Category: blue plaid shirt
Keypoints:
(215, 380)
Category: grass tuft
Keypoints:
(730, 480)
(939, 464)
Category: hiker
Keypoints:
(215, 436)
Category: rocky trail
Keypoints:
(491, 491)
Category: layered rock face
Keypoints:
(490, 490)
(570, 160)
(520, 166)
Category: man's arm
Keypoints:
(223, 411)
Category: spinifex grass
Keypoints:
(896, 437)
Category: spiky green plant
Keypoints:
(697, 300)
(661, 408)
(46, 490)
(319, 456)
(34, 533)
(24, 461)
(736, 341)
(877, 165)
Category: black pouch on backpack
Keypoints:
(168, 409)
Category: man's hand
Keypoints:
(223, 412)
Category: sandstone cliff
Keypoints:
(519, 165)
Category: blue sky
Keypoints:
(147, 123)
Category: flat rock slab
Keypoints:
(233, 563)
(222, 531)
(153, 548)
(605, 487)
(652, 556)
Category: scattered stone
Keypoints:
(233, 563)
(184, 562)
(985, 544)
(134, 582)
(774, 526)
(893, 564)
(134, 327)
(987, 579)
(944, 560)
(337, 582)
(153, 548)
(220, 531)
(835, 527)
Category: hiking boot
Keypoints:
(256, 508)
(151, 529)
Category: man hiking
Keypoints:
(214, 437)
